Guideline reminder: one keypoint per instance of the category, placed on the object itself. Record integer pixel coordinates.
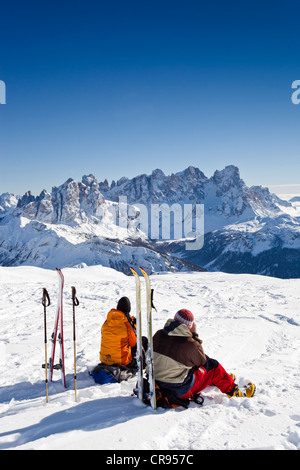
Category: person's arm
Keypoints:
(131, 335)
(199, 356)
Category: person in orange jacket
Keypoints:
(118, 336)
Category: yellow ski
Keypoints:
(150, 361)
(139, 351)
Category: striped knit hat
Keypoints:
(185, 316)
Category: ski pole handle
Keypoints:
(46, 298)
(74, 298)
(151, 298)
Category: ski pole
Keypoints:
(75, 302)
(45, 303)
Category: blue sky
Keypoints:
(119, 88)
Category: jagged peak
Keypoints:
(89, 180)
(43, 193)
(26, 199)
(230, 171)
(157, 173)
(69, 180)
(192, 172)
(122, 180)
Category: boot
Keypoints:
(235, 392)
(249, 391)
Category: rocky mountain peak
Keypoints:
(26, 199)
(224, 195)
(89, 180)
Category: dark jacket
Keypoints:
(176, 354)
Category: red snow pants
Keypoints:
(212, 373)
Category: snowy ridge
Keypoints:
(249, 323)
(246, 229)
(226, 197)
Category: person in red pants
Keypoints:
(182, 367)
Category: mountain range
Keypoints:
(245, 229)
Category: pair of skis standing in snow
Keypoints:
(139, 353)
(58, 334)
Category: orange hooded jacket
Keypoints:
(117, 339)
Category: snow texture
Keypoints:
(249, 323)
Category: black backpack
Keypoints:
(165, 398)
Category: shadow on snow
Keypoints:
(89, 416)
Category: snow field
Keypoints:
(249, 323)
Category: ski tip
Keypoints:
(143, 271)
(136, 273)
(133, 271)
(59, 272)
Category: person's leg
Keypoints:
(145, 343)
(144, 352)
(218, 376)
(212, 373)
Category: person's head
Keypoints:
(124, 305)
(186, 317)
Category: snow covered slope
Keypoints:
(268, 246)
(249, 323)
